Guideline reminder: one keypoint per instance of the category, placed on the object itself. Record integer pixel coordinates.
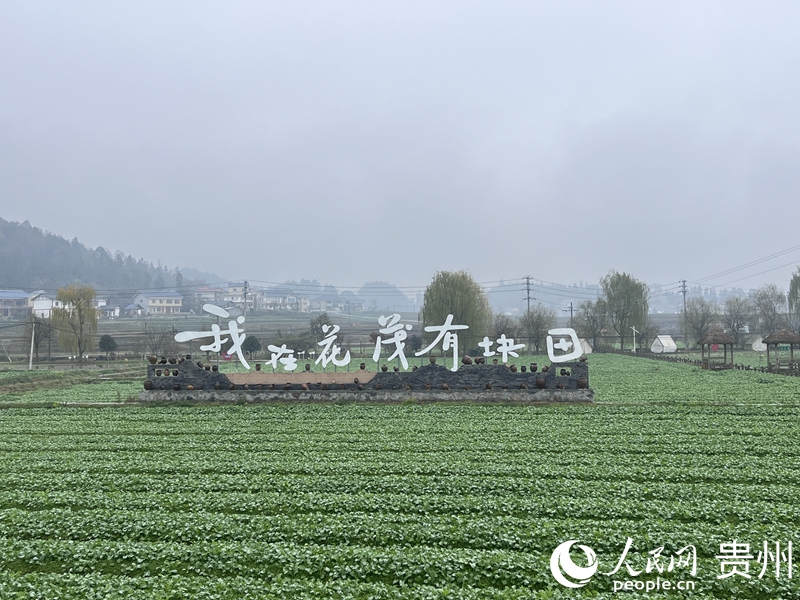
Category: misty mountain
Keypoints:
(33, 259)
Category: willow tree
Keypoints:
(626, 302)
(76, 319)
(794, 300)
(457, 293)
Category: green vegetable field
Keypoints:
(413, 501)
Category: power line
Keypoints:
(762, 272)
(750, 264)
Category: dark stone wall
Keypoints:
(188, 375)
(183, 374)
(476, 377)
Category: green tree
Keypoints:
(107, 344)
(457, 293)
(76, 319)
(626, 300)
(251, 344)
(318, 323)
(794, 301)
(535, 323)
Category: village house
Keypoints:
(14, 304)
(159, 302)
(209, 294)
(235, 296)
(42, 304)
(280, 298)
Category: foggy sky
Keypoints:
(360, 141)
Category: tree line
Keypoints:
(765, 311)
(622, 307)
(619, 315)
(620, 312)
(34, 259)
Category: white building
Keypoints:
(42, 305)
(160, 302)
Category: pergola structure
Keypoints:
(783, 337)
(712, 361)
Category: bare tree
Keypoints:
(504, 324)
(156, 337)
(592, 319)
(41, 330)
(700, 315)
(769, 302)
(736, 313)
(536, 322)
(648, 334)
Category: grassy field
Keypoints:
(400, 501)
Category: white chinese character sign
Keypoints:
(445, 334)
(390, 326)
(330, 350)
(237, 334)
(392, 333)
(564, 345)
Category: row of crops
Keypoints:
(386, 502)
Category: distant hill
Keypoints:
(379, 295)
(32, 259)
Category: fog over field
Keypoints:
(362, 141)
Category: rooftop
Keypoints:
(160, 294)
(14, 295)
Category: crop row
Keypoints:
(39, 586)
(526, 531)
(280, 562)
(404, 501)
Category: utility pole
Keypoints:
(570, 309)
(244, 310)
(528, 298)
(685, 330)
(33, 333)
(528, 289)
(634, 338)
